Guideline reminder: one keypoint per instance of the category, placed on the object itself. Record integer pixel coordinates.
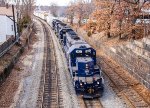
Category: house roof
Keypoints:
(6, 11)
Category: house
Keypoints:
(8, 26)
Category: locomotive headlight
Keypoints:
(80, 84)
(97, 82)
(87, 66)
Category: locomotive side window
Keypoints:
(88, 53)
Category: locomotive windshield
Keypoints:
(83, 53)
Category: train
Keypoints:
(81, 57)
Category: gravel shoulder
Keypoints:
(8, 89)
(27, 94)
(110, 98)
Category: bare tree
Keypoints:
(25, 10)
(28, 7)
(2, 2)
(80, 9)
(117, 17)
(54, 9)
(71, 12)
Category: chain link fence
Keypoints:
(6, 45)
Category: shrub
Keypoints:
(89, 33)
(24, 22)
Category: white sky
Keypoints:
(48, 2)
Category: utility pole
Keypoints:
(14, 21)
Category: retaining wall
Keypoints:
(136, 65)
(133, 57)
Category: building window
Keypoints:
(12, 28)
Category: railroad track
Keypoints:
(123, 87)
(50, 87)
(83, 103)
(90, 103)
(93, 103)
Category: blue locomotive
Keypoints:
(81, 57)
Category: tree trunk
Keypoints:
(120, 24)
(71, 20)
(108, 33)
(79, 22)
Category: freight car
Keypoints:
(81, 58)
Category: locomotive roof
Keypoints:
(56, 20)
(62, 24)
(66, 29)
(79, 46)
(72, 36)
(71, 32)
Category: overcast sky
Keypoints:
(48, 2)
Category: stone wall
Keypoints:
(133, 57)
(136, 65)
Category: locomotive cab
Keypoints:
(86, 74)
(88, 82)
